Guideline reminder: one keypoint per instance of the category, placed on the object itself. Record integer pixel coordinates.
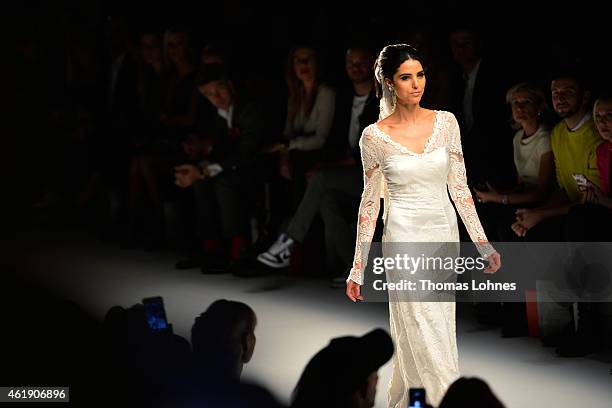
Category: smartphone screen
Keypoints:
(416, 398)
(581, 180)
(155, 313)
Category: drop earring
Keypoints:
(393, 96)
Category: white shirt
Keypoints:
(582, 121)
(358, 106)
(114, 75)
(527, 154)
(315, 127)
(468, 96)
(227, 115)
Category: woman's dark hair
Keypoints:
(470, 391)
(574, 71)
(390, 59)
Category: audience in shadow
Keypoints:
(336, 181)
(470, 392)
(344, 373)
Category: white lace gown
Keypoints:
(415, 189)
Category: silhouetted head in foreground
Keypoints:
(345, 373)
(223, 338)
(470, 392)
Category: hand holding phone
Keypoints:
(155, 313)
(581, 181)
(416, 398)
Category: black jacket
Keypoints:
(337, 144)
(236, 149)
(487, 147)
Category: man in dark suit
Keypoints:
(224, 179)
(336, 185)
(478, 90)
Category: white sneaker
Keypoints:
(279, 254)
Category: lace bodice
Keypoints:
(377, 151)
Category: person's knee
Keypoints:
(328, 203)
(318, 177)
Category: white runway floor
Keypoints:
(297, 317)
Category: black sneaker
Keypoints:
(216, 265)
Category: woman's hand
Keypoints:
(494, 262)
(273, 148)
(485, 196)
(518, 229)
(528, 218)
(489, 195)
(187, 174)
(353, 291)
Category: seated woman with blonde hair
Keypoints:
(533, 156)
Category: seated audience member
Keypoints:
(144, 183)
(592, 221)
(535, 168)
(573, 142)
(151, 86)
(178, 113)
(598, 199)
(335, 378)
(310, 113)
(338, 178)
(533, 157)
(470, 392)
(224, 179)
(173, 117)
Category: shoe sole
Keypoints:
(270, 263)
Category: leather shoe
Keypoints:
(216, 265)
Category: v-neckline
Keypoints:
(403, 148)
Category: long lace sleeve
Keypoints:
(460, 192)
(369, 206)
